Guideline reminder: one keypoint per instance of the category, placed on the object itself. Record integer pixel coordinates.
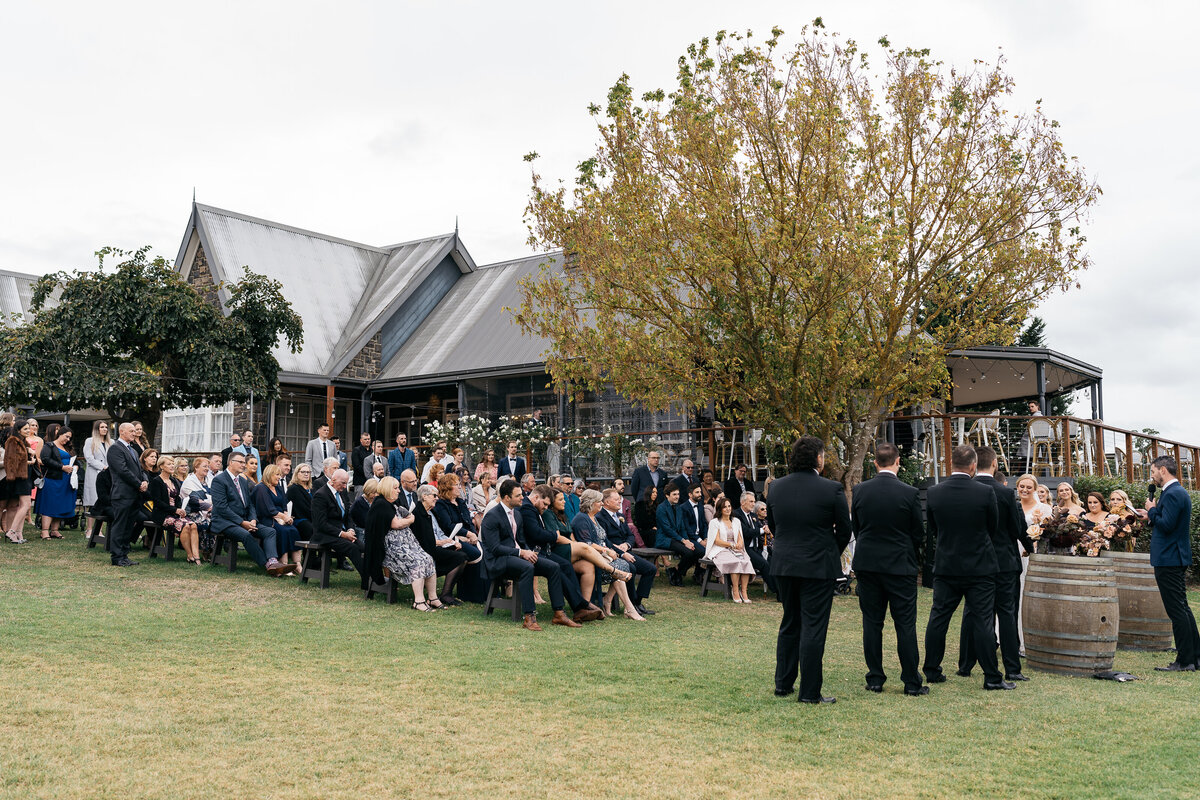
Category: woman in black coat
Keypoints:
(450, 511)
(391, 551)
(447, 554)
(299, 494)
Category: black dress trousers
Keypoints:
(801, 645)
(877, 592)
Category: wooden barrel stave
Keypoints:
(1070, 614)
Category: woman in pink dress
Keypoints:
(727, 550)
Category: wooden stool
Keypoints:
(162, 541)
(309, 568)
(97, 525)
(225, 550)
(497, 600)
(388, 589)
(711, 572)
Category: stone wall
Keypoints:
(201, 278)
(367, 364)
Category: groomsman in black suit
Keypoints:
(963, 518)
(886, 515)
(811, 522)
(1008, 577)
(128, 483)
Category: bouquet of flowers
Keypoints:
(1065, 534)
(1127, 528)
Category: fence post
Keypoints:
(1101, 458)
(1128, 457)
(712, 457)
(947, 446)
(1064, 443)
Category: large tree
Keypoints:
(136, 338)
(800, 239)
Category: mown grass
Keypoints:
(172, 681)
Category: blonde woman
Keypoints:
(1068, 501)
(1034, 510)
(1043, 494)
(95, 453)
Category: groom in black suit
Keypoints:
(811, 522)
(888, 532)
(963, 518)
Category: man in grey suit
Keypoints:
(234, 516)
(319, 449)
(128, 483)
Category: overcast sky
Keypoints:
(383, 122)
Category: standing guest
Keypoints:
(587, 531)
(437, 458)
(1043, 495)
(95, 453)
(299, 494)
(737, 483)
(360, 452)
(648, 475)
(168, 511)
(752, 529)
(37, 470)
(512, 465)
(247, 447)
(128, 484)
(1023, 451)
(275, 449)
(686, 477)
(488, 465)
(621, 538)
(1034, 511)
(198, 505)
(456, 466)
(392, 552)
(140, 442)
(337, 452)
(709, 488)
(673, 536)
(645, 518)
(235, 443)
(401, 458)
(271, 507)
(507, 556)
(886, 516)
(1171, 555)
(17, 486)
(56, 500)
(376, 458)
(234, 516)
(811, 522)
(331, 520)
(447, 554)
(964, 519)
(319, 449)
(727, 550)
(693, 524)
(1007, 599)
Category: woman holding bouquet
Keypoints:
(1068, 501)
(1129, 524)
(1035, 510)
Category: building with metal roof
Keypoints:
(16, 293)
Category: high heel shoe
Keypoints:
(620, 575)
(635, 616)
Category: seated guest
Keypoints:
(328, 467)
(379, 470)
(234, 516)
(548, 532)
(727, 550)
(408, 490)
(482, 496)
(331, 519)
(436, 458)
(570, 498)
(709, 488)
(627, 512)
(299, 494)
(588, 531)
(391, 551)
(693, 524)
(487, 466)
(168, 511)
(672, 536)
(752, 530)
(621, 539)
(645, 516)
(362, 506)
(215, 465)
(435, 473)
(447, 554)
(450, 514)
(506, 555)
(181, 472)
(198, 505)
(271, 505)
(251, 471)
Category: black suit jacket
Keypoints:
(503, 470)
(751, 528)
(888, 530)
(356, 462)
(684, 483)
(497, 538)
(811, 522)
(963, 519)
(328, 520)
(733, 491)
(641, 479)
(689, 521)
(1011, 527)
(617, 532)
(126, 473)
(534, 528)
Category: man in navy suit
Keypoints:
(1171, 555)
(234, 516)
(512, 464)
(621, 540)
(693, 525)
(128, 484)
(506, 555)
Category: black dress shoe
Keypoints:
(1175, 666)
(1015, 677)
(937, 678)
(815, 700)
(1001, 686)
(347, 566)
(917, 692)
(783, 692)
(124, 562)
(872, 687)
(962, 674)
(643, 610)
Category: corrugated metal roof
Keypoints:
(324, 278)
(16, 292)
(470, 331)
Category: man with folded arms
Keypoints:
(963, 517)
(886, 517)
(506, 555)
(233, 515)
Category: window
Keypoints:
(197, 430)
(297, 418)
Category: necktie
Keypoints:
(513, 522)
(237, 484)
(408, 496)
(324, 450)
(338, 497)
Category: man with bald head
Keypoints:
(128, 483)
(331, 519)
(408, 489)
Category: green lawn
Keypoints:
(172, 681)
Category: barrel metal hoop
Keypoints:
(1075, 598)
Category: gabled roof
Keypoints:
(470, 333)
(16, 293)
(343, 290)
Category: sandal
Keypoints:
(439, 607)
(13, 537)
(417, 606)
(55, 535)
(620, 575)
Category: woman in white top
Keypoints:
(1035, 511)
(481, 497)
(95, 452)
(727, 550)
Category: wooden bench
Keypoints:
(162, 541)
(225, 549)
(497, 600)
(98, 525)
(713, 575)
(388, 589)
(309, 568)
(655, 555)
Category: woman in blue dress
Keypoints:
(271, 503)
(56, 500)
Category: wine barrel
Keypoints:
(1070, 614)
(1144, 621)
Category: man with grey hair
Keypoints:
(331, 519)
(752, 530)
(328, 467)
(528, 481)
(215, 465)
